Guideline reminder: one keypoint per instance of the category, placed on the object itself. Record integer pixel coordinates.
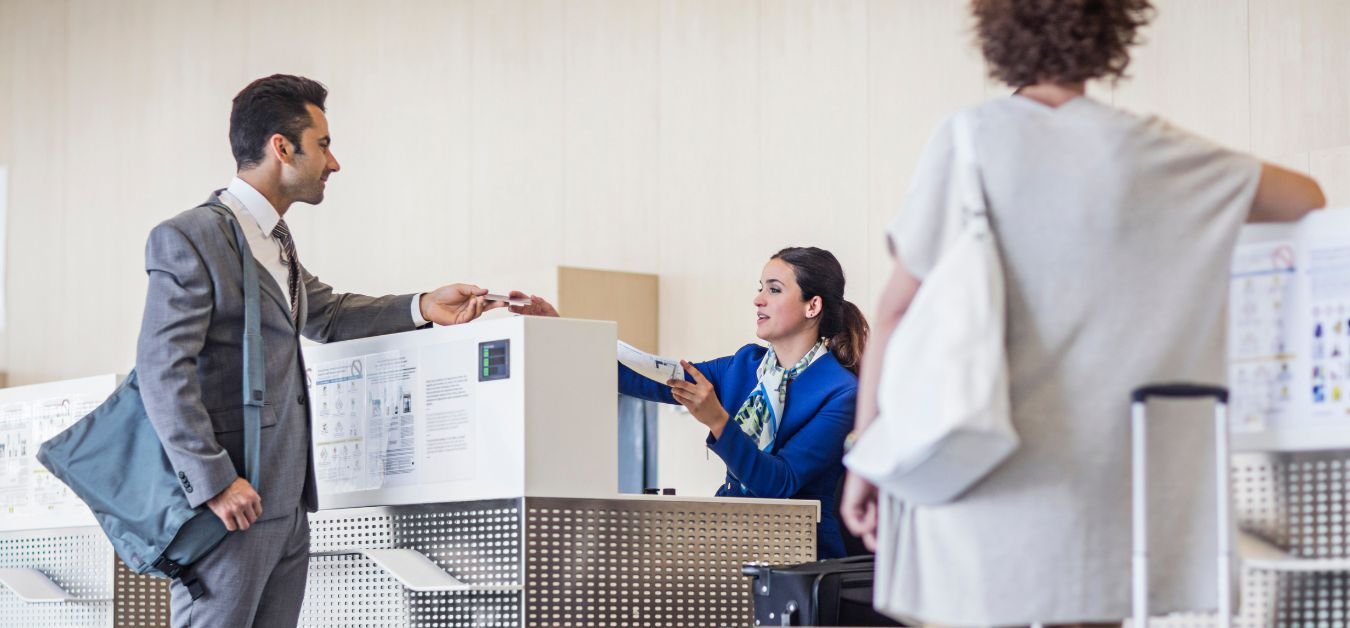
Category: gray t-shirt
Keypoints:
(1116, 233)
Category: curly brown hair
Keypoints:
(1061, 41)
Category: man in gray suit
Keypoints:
(189, 356)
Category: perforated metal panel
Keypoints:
(1316, 491)
(141, 601)
(1260, 593)
(654, 563)
(620, 562)
(1309, 509)
(79, 560)
(1260, 496)
(476, 542)
(1299, 503)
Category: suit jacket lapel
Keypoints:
(269, 285)
(265, 280)
(303, 298)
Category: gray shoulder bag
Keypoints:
(114, 461)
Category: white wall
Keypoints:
(493, 140)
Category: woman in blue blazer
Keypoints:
(777, 415)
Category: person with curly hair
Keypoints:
(1116, 232)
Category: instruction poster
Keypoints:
(450, 422)
(30, 496)
(1261, 347)
(1328, 331)
(1289, 331)
(395, 418)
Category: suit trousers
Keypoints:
(253, 578)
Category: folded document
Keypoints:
(655, 368)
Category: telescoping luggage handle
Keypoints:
(1139, 490)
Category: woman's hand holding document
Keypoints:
(655, 368)
(529, 304)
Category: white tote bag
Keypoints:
(943, 411)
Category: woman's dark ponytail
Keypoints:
(841, 323)
(847, 344)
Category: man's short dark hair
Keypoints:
(271, 105)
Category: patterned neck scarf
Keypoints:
(762, 411)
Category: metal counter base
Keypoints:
(1300, 504)
(78, 564)
(533, 561)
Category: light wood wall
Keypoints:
(494, 140)
(632, 300)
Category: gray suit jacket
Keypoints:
(189, 359)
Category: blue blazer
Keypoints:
(807, 456)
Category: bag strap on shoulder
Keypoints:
(972, 205)
(255, 382)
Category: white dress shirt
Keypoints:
(258, 218)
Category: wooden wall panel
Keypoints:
(38, 186)
(108, 171)
(1300, 59)
(1331, 168)
(9, 34)
(399, 111)
(492, 141)
(516, 176)
(813, 138)
(1192, 70)
(922, 66)
(630, 299)
(709, 175)
(710, 191)
(612, 146)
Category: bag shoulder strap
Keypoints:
(973, 205)
(255, 382)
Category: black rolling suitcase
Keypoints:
(836, 592)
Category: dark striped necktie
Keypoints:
(283, 234)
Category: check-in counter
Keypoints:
(467, 477)
(485, 493)
(498, 408)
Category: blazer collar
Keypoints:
(807, 391)
(256, 204)
(265, 280)
(824, 370)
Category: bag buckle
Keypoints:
(182, 574)
(194, 586)
(167, 567)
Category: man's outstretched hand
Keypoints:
(456, 303)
